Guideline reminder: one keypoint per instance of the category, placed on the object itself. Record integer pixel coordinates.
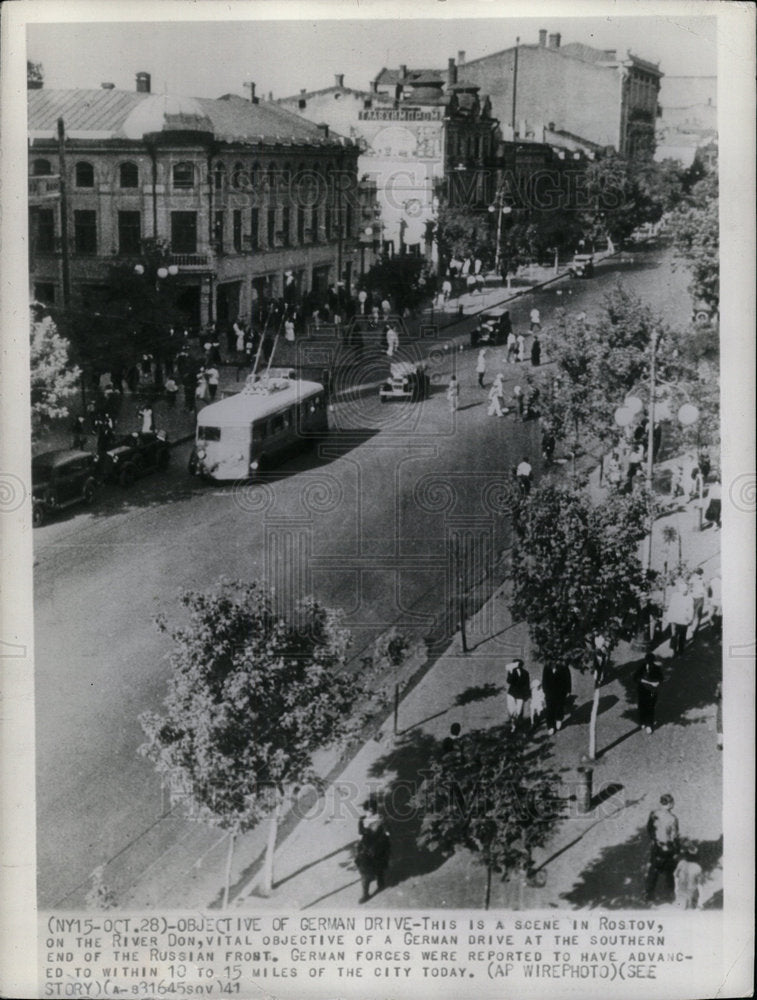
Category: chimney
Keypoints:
(324, 129)
(108, 86)
(303, 91)
(461, 57)
(451, 72)
(143, 83)
(374, 86)
(543, 37)
(554, 40)
(339, 77)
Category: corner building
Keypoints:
(238, 192)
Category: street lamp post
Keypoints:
(501, 209)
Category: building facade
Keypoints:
(412, 134)
(574, 88)
(239, 192)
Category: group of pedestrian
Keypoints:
(672, 858)
(548, 696)
(688, 600)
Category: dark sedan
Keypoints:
(61, 479)
(133, 456)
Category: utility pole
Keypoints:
(65, 271)
(650, 442)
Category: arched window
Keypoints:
(85, 175)
(41, 168)
(183, 176)
(219, 176)
(238, 176)
(128, 175)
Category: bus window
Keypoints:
(277, 423)
(209, 433)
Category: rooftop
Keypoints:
(118, 114)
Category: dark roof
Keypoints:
(332, 90)
(393, 76)
(114, 114)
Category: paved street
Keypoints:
(363, 524)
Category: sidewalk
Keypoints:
(596, 859)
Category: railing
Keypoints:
(199, 260)
(44, 188)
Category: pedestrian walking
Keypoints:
(289, 330)
(147, 419)
(662, 829)
(648, 681)
(519, 402)
(635, 458)
(213, 378)
(386, 307)
(714, 494)
(557, 684)
(535, 353)
(446, 290)
(79, 432)
(680, 615)
(521, 344)
(512, 347)
(524, 473)
(171, 390)
(496, 397)
(201, 389)
(453, 393)
(687, 877)
(481, 366)
(698, 593)
(518, 690)
(373, 850)
(538, 702)
(715, 603)
(600, 657)
(392, 340)
(535, 319)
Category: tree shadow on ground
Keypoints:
(615, 880)
(581, 715)
(688, 686)
(478, 692)
(406, 763)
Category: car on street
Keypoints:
(133, 456)
(582, 266)
(61, 479)
(407, 380)
(493, 328)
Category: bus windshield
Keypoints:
(209, 433)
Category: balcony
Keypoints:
(44, 189)
(191, 261)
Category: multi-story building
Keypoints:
(688, 124)
(412, 135)
(592, 93)
(240, 192)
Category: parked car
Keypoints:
(61, 479)
(406, 381)
(493, 328)
(582, 266)
(133, 456)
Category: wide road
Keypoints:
(365, 523)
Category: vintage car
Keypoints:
(61, 479)
(582, 266)
(406, 381)
(493, 328)
(132, 456)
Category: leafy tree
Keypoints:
(464, 232)
(696, 238)
(576, 571)
(567, 402)
(53, 378)
(494, 794)
(251, 698)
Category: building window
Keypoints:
(129, 233)
(327, 222)
(41, 168)
(219, 177)
(348, 220)
(85, 175)
(184, 232)
(128, 175)
(45, 231)
(254, 228)
(218, 231)
(271, 227)
(237, 229)
(300, 224)
(238, 177)
(314, 223)
(85, 231)
(183, 176)
(285, 224)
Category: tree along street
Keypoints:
(366, 525)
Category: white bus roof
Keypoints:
(246, 406)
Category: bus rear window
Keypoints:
(209, 433)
